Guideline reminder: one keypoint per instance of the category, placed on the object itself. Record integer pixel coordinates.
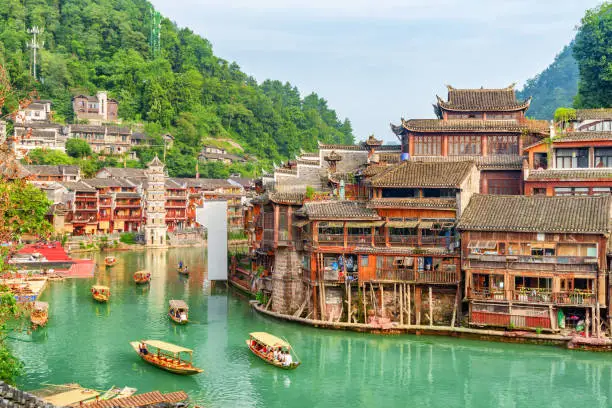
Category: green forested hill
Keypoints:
(556, 86)
(95, 45)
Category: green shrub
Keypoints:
(128, 237)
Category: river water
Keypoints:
(87, 342)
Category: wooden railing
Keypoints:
(403, 240)
(331, 239)
(534, 263)
(535, 295)
(445, 275)
(359, 239)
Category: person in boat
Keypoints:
(276, 354)
(143, 349)
(180, 264)
(287, 359)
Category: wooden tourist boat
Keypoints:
(178, 311)
(183, 271)
(142, 277)
(166, 356)
(110, 261)
(100, 293)
(40, 314)
(259, 341)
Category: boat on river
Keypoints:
(178, 311)
(100, 293)
(40, 314)
(166, 356)
(183, 271)
(110, 261)
(261, 343)
(142, 277)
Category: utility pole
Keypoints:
(155, 36)
(35, 44)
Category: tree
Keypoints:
(592, 51)
(78, 148)
(47, 156)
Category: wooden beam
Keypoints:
(363, 299)
(455, 306)
(430, 307)
(409, 305)
(401, 302)
(382, 300)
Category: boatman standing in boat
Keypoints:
(180, 264)
(287, 360)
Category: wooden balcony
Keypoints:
(447, 275)
(333, 239)
(535, 295)
(535, 263)
(403, 240)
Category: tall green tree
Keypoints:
(593, 51)
(78, 148)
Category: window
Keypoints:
(601, 190)
(441, 193)
(503, 187)
(581, 191)
(563, 191)
(540, 161)
(603, 157)
(539, 191)
(572, 158)
(503, 144)
(459, 145)
(427, 146)
(364, 261)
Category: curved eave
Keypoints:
(519, 107)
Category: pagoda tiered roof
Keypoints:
(473, 125)
(481, 99)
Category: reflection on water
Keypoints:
(87, 342)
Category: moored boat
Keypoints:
(178, 311)
(263, 344)
(141, 277)
(100, 293)
(110, 261)
(166, 356)
(40, 314)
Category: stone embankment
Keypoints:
(578, 343)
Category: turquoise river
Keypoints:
(86, 342)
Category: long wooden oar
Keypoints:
(292, 349)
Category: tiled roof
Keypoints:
(474, 125)
(373, 170)
(338, 210)
(389, 157)
(77, 186)
(337, 177)
(537, 214)
(310, 155)
(175, 184)
(140, 400)
(493, 162)
(128, 195)
(324, 146)
(590, 114)
(583, 136)
(52, 170)
(122, 172)
(389, 148)
(287, 198)
(424, 174)
(286, 171)
(570, 174)
(442, 203)
(482, 100)
(207, 183)
(100, 182)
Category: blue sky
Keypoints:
(377, 61)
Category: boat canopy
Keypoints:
(141, 273)
(178, 304)
(162, 345)
(41, 306)
(269, 340)
(100, 288)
